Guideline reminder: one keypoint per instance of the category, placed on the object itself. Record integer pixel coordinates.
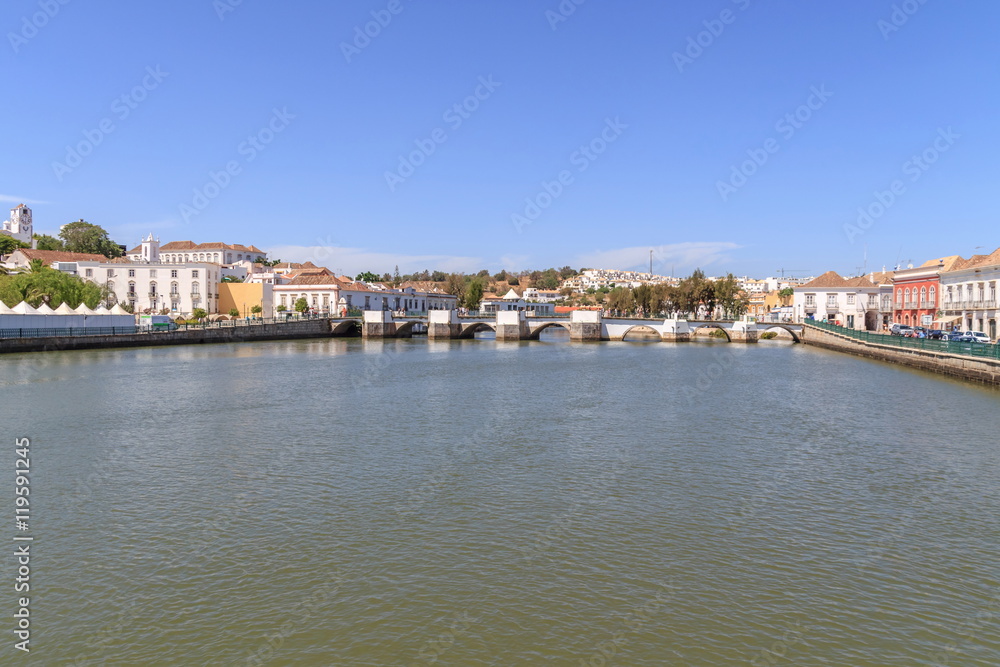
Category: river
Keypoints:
(415, 502)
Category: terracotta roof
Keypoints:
(314, 280)
(174, 246)
(881, 278)
(860, 281)
(49, 256)
(828, 279)
(978, 260)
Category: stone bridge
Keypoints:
(582, 325)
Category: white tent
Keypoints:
(5, 309)
(44, 309)
(118, 310)
(102, 310)
(64, 309)
(24, 308)
(82, 309)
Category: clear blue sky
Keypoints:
(318, 190)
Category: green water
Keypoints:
(472, 503)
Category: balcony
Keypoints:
(152, 295)
(130, 295)
(195, 296)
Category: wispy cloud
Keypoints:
(14, 199)
(352, 261)
(682, 257)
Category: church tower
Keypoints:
(20, 223)
(150, 250)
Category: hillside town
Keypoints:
(215, 280)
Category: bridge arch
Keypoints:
(641, 328)
(537, 331)
(761, 328)
(695, 330)
(469, 331)
(404, 329)
(345, 328)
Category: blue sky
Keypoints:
(581, 137)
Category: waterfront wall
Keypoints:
(316, 328)
(967, 368)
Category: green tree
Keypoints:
(256, 309)
(367, 277)
(301, 305)
(234, 312)
(730, 296)
(46, 242)
(127, 307)
(396, 279)
(82, 236)
(199, 314)
(9, 244)
(41, 284)
(620, 299)
(282, 308)
(455, 284)
(473, 295)
(785, 295)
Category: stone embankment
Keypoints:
(314, 328)
(977, 369)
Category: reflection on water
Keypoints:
(338, 501)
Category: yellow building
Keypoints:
(244, 296)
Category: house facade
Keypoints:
(862, 303)
(969, 294)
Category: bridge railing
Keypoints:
(981, 350)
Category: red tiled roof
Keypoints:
(828, 279)
(49, 256)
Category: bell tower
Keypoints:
(150, 250)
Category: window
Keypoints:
(131, 273)
(152, 273)
(89, 273)
(152, 289)
(111, 273)
(831, 300)
(131, 288)
(850, 299)
(173, 273)
(194, 274)
(194, 288)
(932, 296)
(907, 294)
(173, 289)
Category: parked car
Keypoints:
(978, 337)
(900, 329)
(936, 334)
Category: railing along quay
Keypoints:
(980, 350)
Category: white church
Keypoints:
(19, 225)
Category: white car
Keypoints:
(978, 337)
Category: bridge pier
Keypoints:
(512, 325)
(585, 325)
(443, 325)
(744, 331)
(675, 331)
(378, 324)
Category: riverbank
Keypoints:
(974, 368)
(312, 328)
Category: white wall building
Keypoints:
(179, 252)
(19, 225)
(969, 292)
(513, 301)
(863, 303)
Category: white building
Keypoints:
(179, 252)
(969, 293)
(327, 294)
(180, 288)
(514, 301)
(863, 303)
(19, 225)
(533, 295)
